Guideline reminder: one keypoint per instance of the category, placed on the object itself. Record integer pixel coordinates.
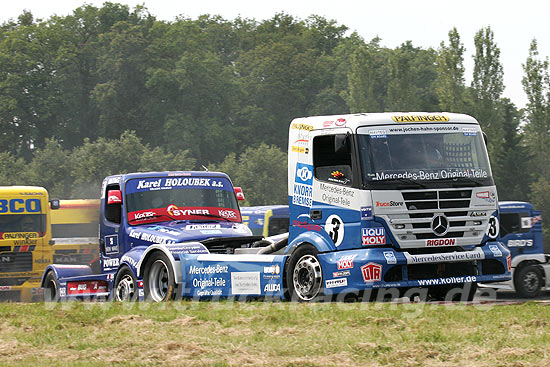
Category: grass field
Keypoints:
(274, 334)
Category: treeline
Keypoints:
(113, 89)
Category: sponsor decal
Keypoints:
(441, 242)
(245, 282)
(208, 283)
(378, 134)
(307, 226)
(478, 214)
(62, 291)
(92, 286)
(371, 272)
(340, 122)
(270, 287)
(387, 204)
(345, 262)
(373, 236)
(420, 118)
(273, 269)
(469, 131)
(110, 263)
(227, 213)
(488, 196)
(338, 177)
(334, 226)
(390, 257)
(334, 283)
(366, 213)
(297, 149)
(149, 237)
(445, 257)
(20, 206)
(342, 273)
(144, 215)
(111, 244)
(303, 181)
(27, 236)
(509, 262)
(114, 197)
(495, 250)
(337, 122)
(42, 261)
(129, 260)
(519, 243)
(193, 227)
(210, 231)
(433, 174)
(5, 288)
(210, 269)
(297, 126)
(336, 195)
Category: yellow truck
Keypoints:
(27, 244)
(75, 232)
(25, 241)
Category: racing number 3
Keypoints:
(492, 229)
(334, 226)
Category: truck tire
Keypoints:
(125, 288)
(452, 292)
(51, 288)
(304, 276)
(528, 281)
(158, 279)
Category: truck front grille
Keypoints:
(411, 225)
(15, 262)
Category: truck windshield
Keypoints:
(422, 158)
(167, 198)
(11, 223)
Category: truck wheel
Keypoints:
(465, 292)
(304, 276)
(158, 281)
(51, 288)
(125, 289)
(528, 281)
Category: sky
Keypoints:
(424, 22)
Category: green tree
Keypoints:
(450, 86)
(13, 170)
(261, 172)
(536, 83)
(51, 168)
(95, 160)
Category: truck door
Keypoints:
(336, 195)
(110, 232)
(516, 232)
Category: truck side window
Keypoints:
(113, 212)
(511, 223)
(332, 158)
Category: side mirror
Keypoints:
(239, 193)
(54, 204)
(114, 197)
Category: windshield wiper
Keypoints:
(151, 216)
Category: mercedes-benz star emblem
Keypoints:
(440, 225)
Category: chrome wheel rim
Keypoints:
(159, 281)
(307, 277)
(125, 289)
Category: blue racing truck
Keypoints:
(521, 232)
(393, 200)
